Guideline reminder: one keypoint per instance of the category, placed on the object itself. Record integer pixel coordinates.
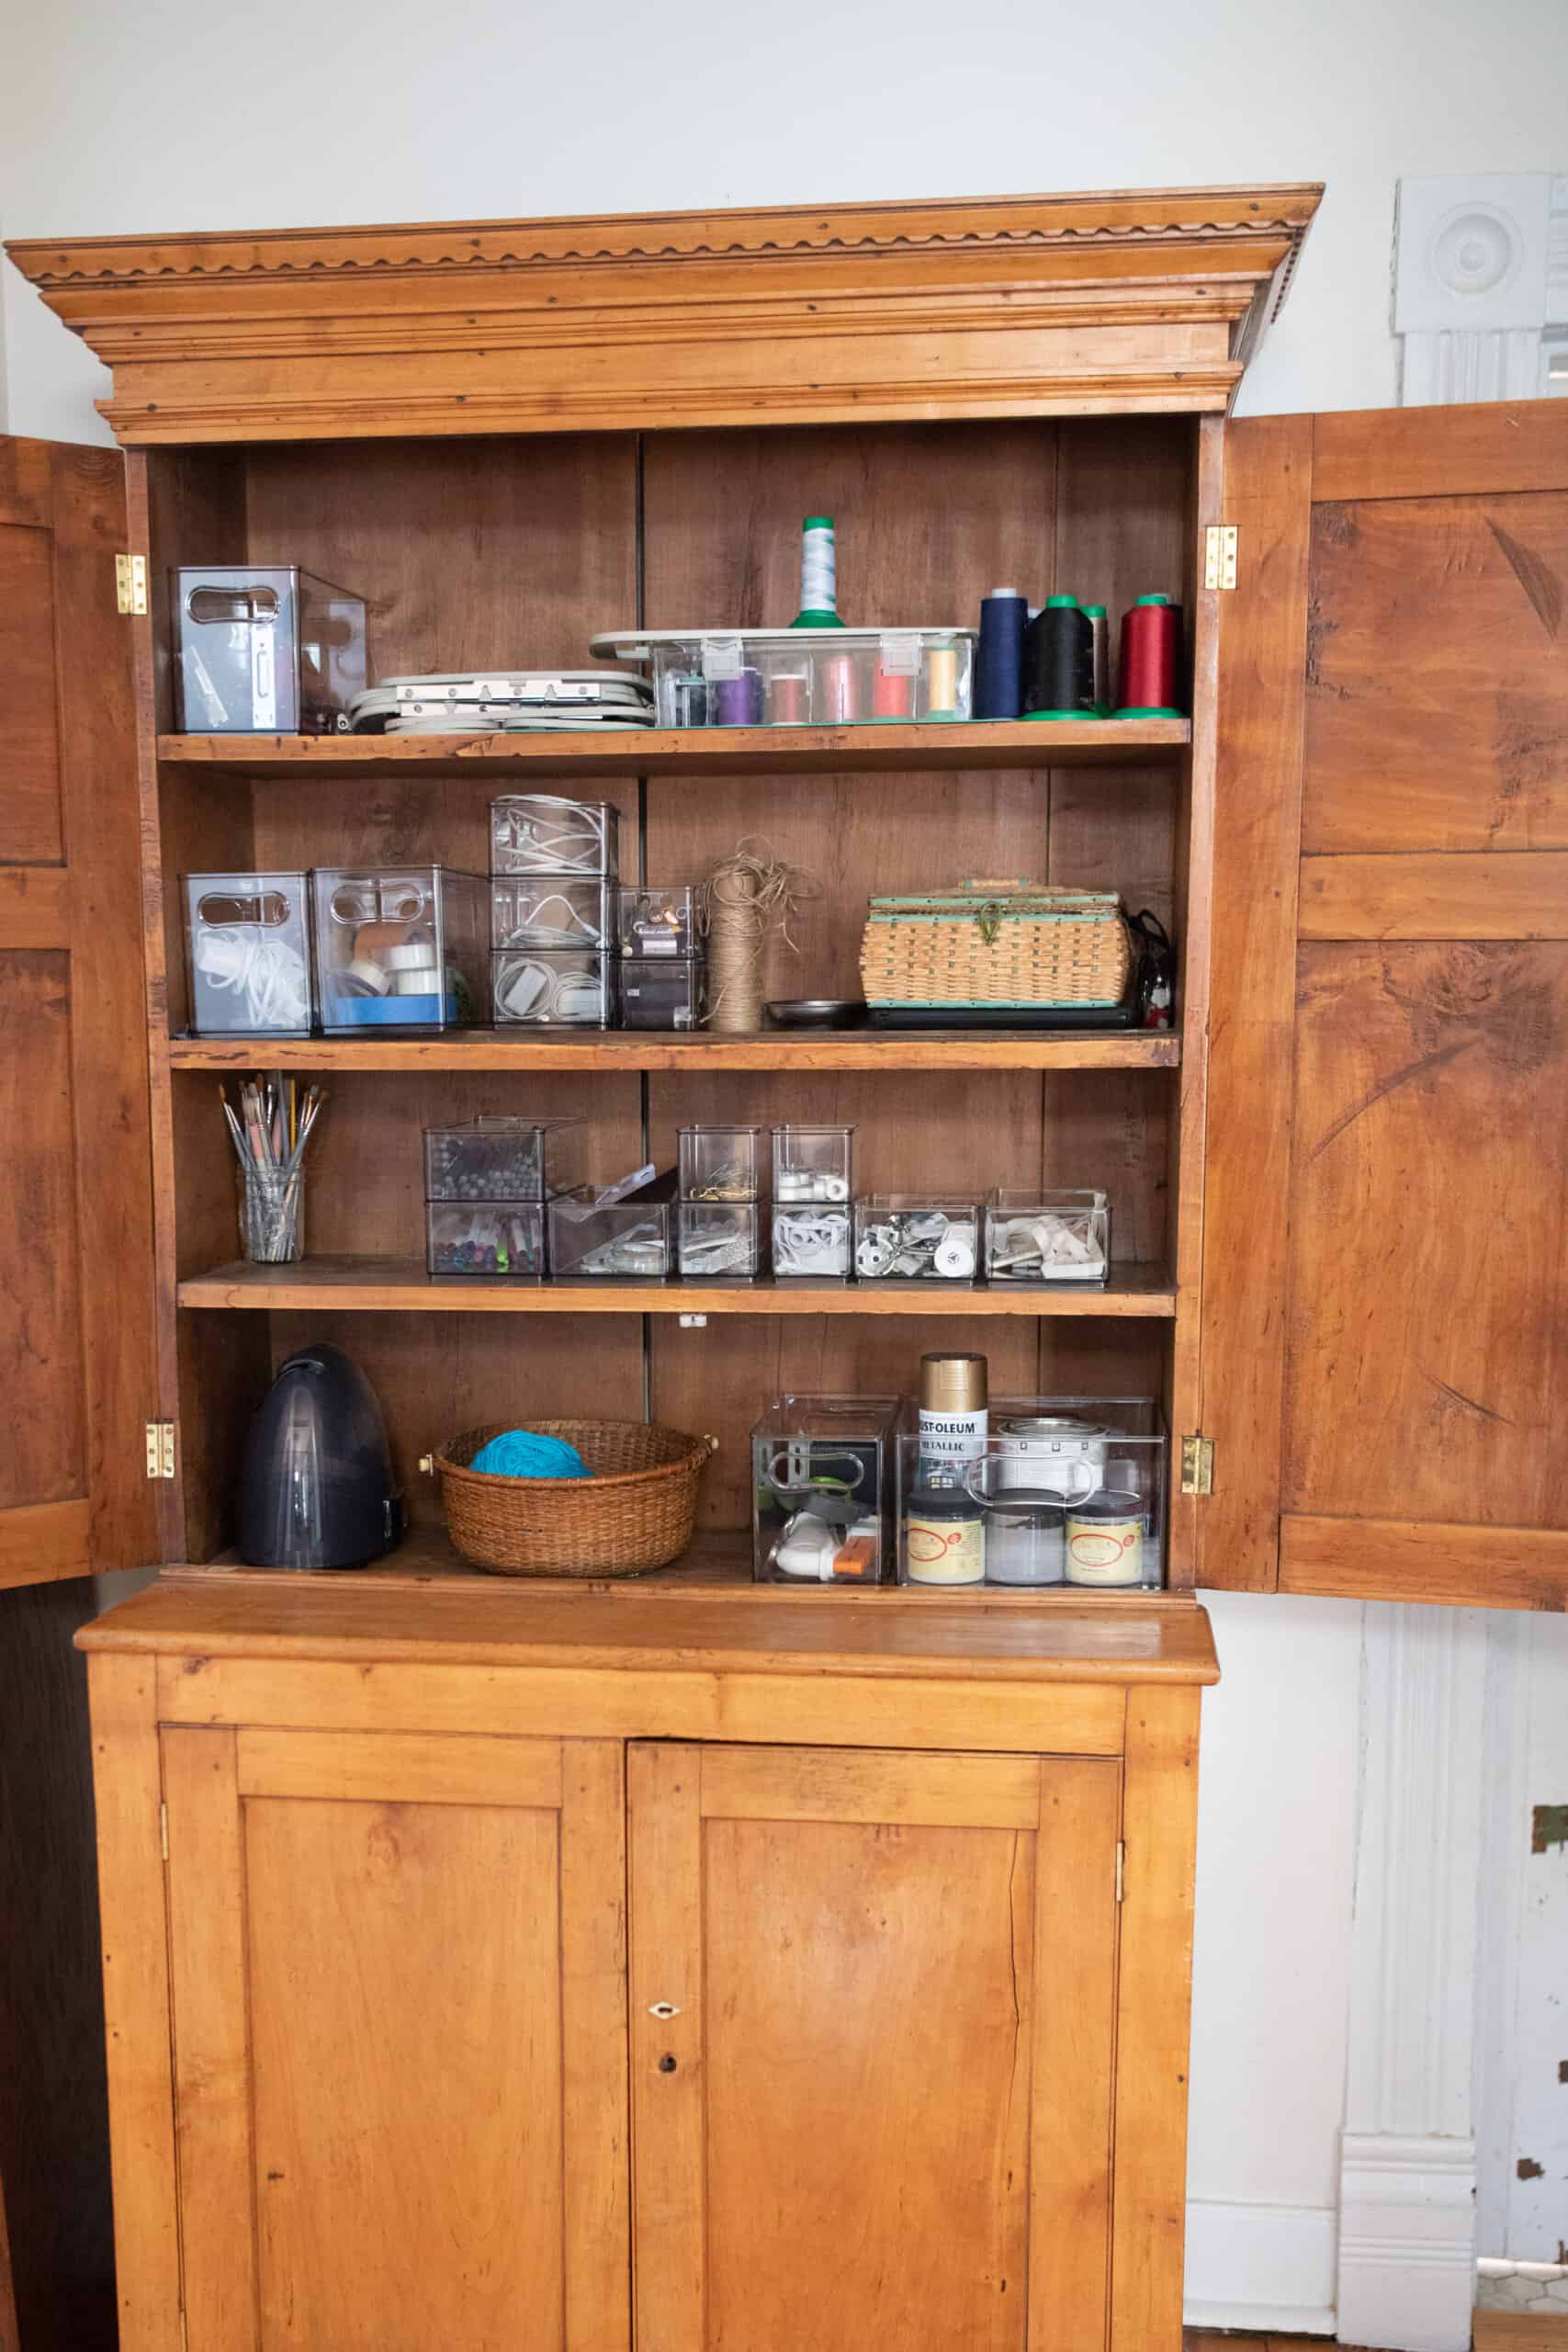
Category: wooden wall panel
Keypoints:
(1438, 698)
(1428, 1331)
(44, 1460)
(30, 827)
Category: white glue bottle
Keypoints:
(954, 1416)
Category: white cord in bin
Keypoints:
(267, 973)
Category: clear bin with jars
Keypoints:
(263, 649)
(399, 947)
(915, 1237)
(249, 941)
(822, 1491)
(1041, 1238)
(606, 1235)
(801, 677)
(504, 1159)
(1063, 1492)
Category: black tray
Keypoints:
(1076, 1018)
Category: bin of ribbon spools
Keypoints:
(633, 1511)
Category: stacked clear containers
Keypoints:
(264, 650)
(811, 1222)
(249, 942)
(1063, 1491)
(607, 1235)
(822, 1490)
(663, 962)
(801, 677)
(909, 1237)
(487, 1186)
(1039, 1237)
(719, 1212)
(398, 948)
(553, 865)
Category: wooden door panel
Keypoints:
(76, 1229)
(880, 2124)
(399, 1997)
(1384, 1267)
(1428, 1286)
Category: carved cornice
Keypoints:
(930, 309)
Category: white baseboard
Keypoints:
(1407, 2240)
(1260, 2266)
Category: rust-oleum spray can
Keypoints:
(954, 1416)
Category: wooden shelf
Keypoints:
(371, 1285)
(709, 751)
(715, 1563)
(634, 1049)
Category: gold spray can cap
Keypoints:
(952, 1384)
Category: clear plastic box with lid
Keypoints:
(718, 1163)
(629, 1240)
(501, 1239)
(551, 910)
(658, 919)
(495, 1159)
(801, 677)
(542, 988)
(822, 1491)
(399, 947)
(718, 1241)
(659, 993)
(1042, 1237)
(909, 1237)
(263, 649)
(540, 832)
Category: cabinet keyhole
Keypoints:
(666, 2063)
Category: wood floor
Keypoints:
(1495, 2332)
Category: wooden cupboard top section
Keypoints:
(492, 1622)
(1019, 305)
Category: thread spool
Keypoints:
(737, 702)
(892, 696)
(999, 671)
(1058, 662)
(942, 682)
(1151, 651)
(787, 699)
(819, 576)
(1099, 626)
(839, 687)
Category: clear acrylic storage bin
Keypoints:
(1064, 1491)
(801, 677)
(659, 994)
(811, 1244)
(813, 1164)
(720, 1163)
(263, 649)
(906, 1236)
(628, 1239)
(485, 1237)
(399, 947)
(504, 1159)
(717, 1240)
(553, 911)
(544, 989)
(537, 832)
(658, 919)
(1041, 1237)
(248, 937)
(822, 1490)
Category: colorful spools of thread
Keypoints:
(1151, 659)
(1059, 662)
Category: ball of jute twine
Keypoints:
(748, 896)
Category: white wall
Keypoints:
(170, 115)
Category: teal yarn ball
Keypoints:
(525, 1454)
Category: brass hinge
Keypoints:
(130, 582)
(1219, 555)
(164, 1829)
(160, 1449)
(1197, 1465)
(1121, 1867)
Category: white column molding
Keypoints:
(1407, 2159)
(1480, 287)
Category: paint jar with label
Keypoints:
(1026, 1537)
(943, 1539)
(1105, 1537)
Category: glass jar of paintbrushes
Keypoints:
(269, 1134)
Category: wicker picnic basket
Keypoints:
(990, 942)
(634, 1512)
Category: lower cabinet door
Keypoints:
(398, 1992)
(873, 2020)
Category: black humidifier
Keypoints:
(316, 1490)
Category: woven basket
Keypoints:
(634, 1512)
(997, 943)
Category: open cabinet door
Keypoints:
(76, 1326)
(1386, 1243)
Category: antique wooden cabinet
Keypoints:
(384, 2068)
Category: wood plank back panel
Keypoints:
(75, 1232)
(857, 1947)
(1428, 1273)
